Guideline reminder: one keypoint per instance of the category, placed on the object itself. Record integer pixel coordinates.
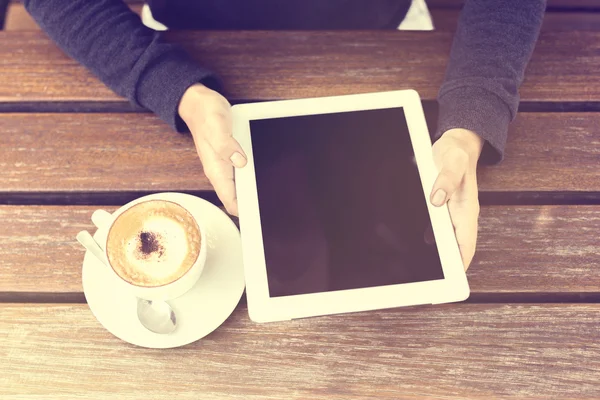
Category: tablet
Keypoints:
(334, 211)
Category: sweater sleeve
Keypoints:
(133, 60)
(492, 46)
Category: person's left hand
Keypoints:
(456, 154)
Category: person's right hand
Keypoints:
(456, 155)
(208, 116)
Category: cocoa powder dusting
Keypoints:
(149, 243)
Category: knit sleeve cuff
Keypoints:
(480, 111)
(164, 82)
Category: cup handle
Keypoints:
(90, 244)
(101, 218)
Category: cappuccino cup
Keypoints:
(155, 248)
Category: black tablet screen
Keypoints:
(341, 203)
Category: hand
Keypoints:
(208, 116)
(456, 154)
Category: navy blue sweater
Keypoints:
(492, 46)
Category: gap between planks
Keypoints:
(476, 298)
(487, 198)
(124, 106)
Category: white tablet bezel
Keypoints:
(261, 307)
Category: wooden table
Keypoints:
(531, 328)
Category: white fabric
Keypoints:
(149, 21)
(417, 18)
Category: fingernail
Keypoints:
(439, 197)
(238, 160)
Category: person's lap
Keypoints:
(417, 18)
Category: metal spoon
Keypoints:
(156, 316)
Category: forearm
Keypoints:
(492, 46)
(111, 41)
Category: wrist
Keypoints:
(190, 98)
(471, 142)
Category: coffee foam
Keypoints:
(153, 243)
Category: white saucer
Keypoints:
(200, 311)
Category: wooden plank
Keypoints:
(137, 152)
(545, 151)
(18, 19)
(536, 249)
(278, 65)
(96, 152)
(446, 19)
(39, 250)
(448, 351)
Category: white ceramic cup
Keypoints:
(104, 221)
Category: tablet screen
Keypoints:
(341, 203)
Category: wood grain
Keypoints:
(548, 152)
(458, 351)
(38, 249)
(18, 19)
(282, 65)
(96, 152)
(128, 152)
(537, 249)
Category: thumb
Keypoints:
(454, 164)
(220, 137)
